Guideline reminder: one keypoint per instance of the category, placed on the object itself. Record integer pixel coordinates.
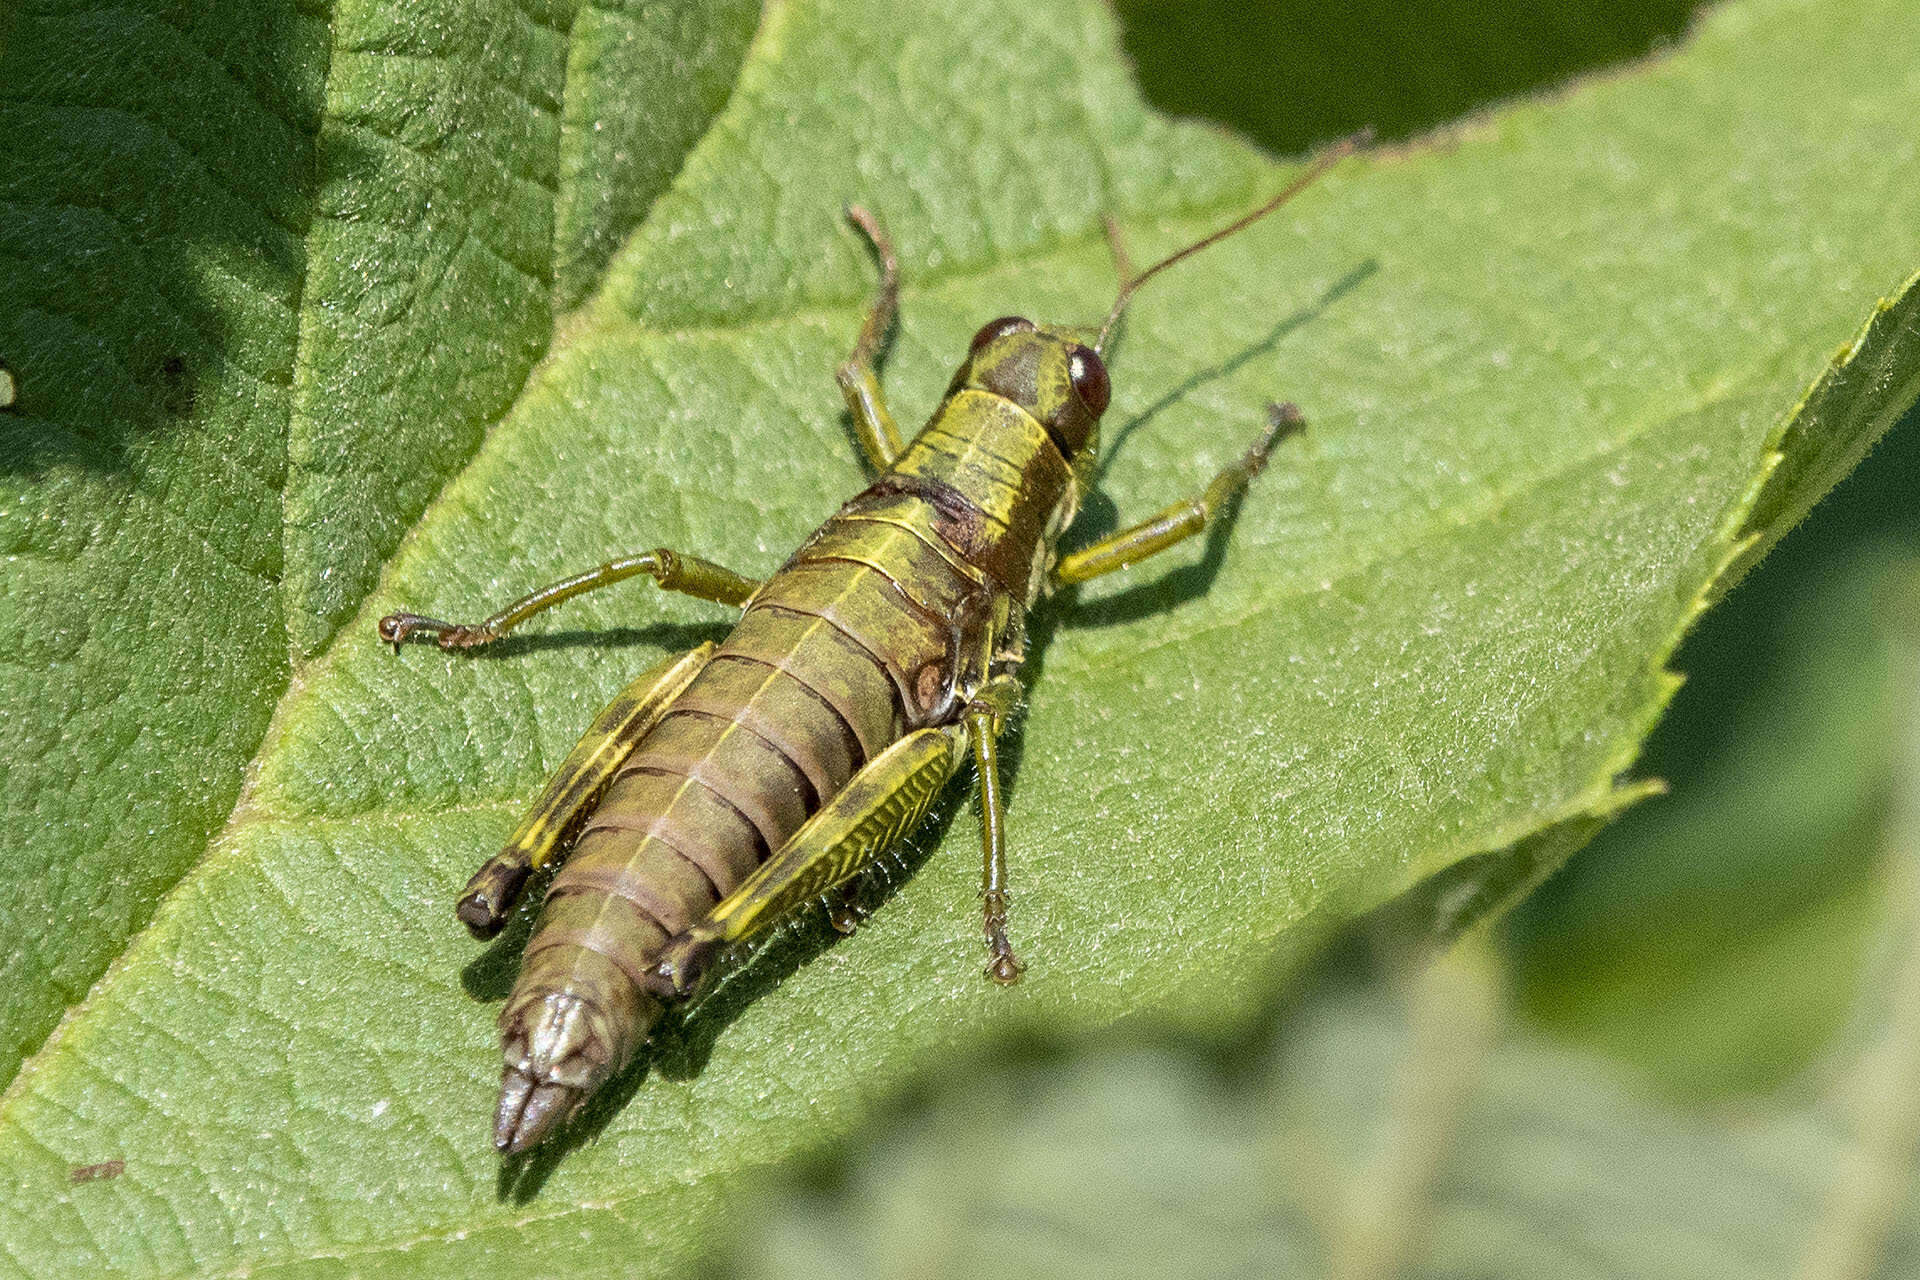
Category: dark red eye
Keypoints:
(1089, 380)
(999, 329)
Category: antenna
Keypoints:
(1338, 152)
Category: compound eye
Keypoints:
(999, 329)
(1089, 378)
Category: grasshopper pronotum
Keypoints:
(733, 783)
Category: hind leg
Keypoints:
(573, 790)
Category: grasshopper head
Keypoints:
(1046, 371)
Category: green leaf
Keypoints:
(1547, 367)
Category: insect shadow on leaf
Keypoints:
(669, 636)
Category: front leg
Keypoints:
(859, 383)
(1183, 519)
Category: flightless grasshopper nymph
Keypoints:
(734, 783)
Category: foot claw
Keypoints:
(848, 914)
(1002, 965)
(1283, 420)
(396, 627)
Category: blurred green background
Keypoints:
(1692, 1053)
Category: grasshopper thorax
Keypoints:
(1001, 465)
(1045, 370)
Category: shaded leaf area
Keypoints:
(1290, 72)
(152, 213)
(1701, 939)
(270, 270)
(1436, 627)
(1388, 1128)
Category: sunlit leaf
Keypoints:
(1547, 364)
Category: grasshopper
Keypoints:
(734, 783)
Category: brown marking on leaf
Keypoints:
(97, 1172)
